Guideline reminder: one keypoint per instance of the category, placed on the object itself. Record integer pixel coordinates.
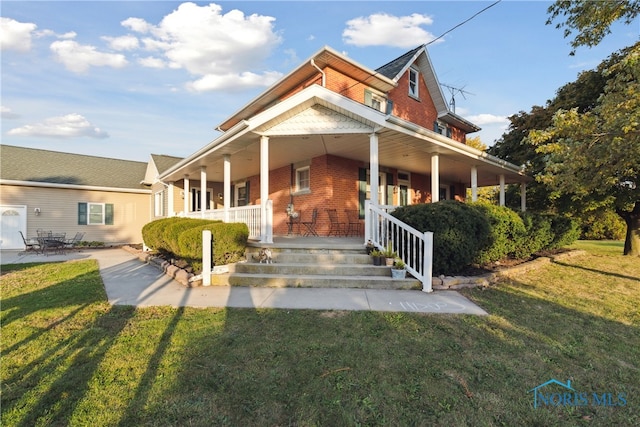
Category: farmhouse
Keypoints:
(334, 137)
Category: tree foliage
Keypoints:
(591, 20)
(594, 156)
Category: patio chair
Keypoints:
(338, 228)
(311, 225)
(293, 222)
(30, 245)
(354, 225)
(71, 243)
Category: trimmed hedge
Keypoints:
(171, 233)
(459, 231)
(182, 238)
(506, 236)
(467, 234)
(153, 232)
(229, 243)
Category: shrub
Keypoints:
(507, 233)
(565, 231)
(171, 232)
(606, 225)
(538, 234)
(459, 232)
(152, 232)
(229, 243)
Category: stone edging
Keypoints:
(190, 280)
(178, 274)
(460, 282)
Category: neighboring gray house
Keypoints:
(68, 193)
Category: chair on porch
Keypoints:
(294, 220)
(353, 222)
(311, 225)
(338, 228)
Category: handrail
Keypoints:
(413, 247)
(249, 215)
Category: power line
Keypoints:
(462, 23)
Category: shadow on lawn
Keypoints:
(593, 270)
(300, 367)
(303, 367)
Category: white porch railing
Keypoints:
(413, 247)
(249, 215)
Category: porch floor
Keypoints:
(312, 242)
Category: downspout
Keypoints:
(324, 77)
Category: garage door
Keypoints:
(12, 220)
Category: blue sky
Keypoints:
(127, 79)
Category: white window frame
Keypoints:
(158, 203)
(102, 213)
(414, 83)
(301, 187)
(446, 188)
(236, 193)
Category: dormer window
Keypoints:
(413, 82)
(375, 101)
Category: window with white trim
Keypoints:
(375, 101)
(413, 82)
(158, 203)
(95, 213)
(303, 179)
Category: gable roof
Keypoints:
(54, 167)
(305, 71)
(396, 67)
(158, 164)
(164, 162)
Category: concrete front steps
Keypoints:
(316, 263)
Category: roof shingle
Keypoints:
(30, 164)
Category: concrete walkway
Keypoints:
(128, 281)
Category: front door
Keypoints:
(13, 219)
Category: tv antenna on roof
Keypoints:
(453, 91)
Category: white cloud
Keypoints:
(382, 29)
(78, 58)
(488, 119)
(7, 113)
(69, 126)
(205, 42)
(151, 62)
(122, 43)
(234, 82)
(138, 25)
(15, 35)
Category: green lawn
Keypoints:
(69, 358)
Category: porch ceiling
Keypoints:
(395, 150)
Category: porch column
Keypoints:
(501, 190)
(266, 221)
(170, 199)
(227, 186)
(474, 183)
(374, 168)
(523, 197)
(435, 177)
(187, 190)
(203, 190)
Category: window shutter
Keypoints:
(362, 190)
(108, 214)
(233, 199)
(248, 194)
(82, 214)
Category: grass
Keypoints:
(69, 358)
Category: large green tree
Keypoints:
(594, 156)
